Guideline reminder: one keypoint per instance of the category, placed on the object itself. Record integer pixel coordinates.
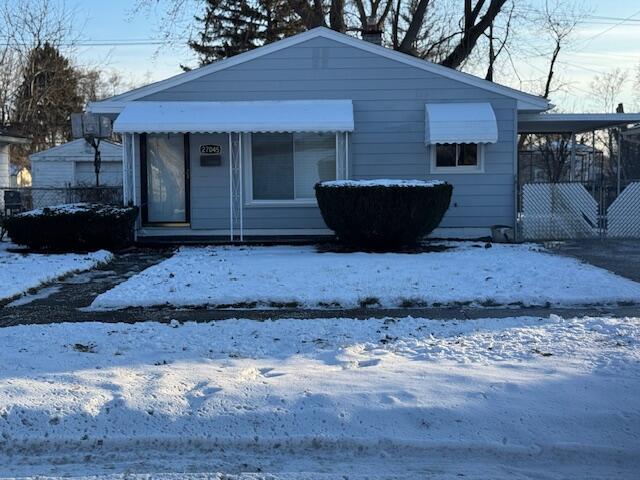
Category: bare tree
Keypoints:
(497, 41)
(557, 20)
(606, 89)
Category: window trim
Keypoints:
(249, 201)
(144, 185)
(479, 168)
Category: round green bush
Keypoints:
(74, 227)
(382, 214)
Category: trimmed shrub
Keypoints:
(74, 227)
(382, 214)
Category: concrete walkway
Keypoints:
(65, 300)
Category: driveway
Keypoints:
(620, 256)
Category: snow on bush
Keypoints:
(382, 214)
(383, 182)
(74, 227)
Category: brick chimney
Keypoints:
(372, 33)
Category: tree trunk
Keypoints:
(472, 31)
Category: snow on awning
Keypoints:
(460, 123)
(246, 116)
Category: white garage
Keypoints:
(71, 164)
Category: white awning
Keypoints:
(246, 116)
(460, 123)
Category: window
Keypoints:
(286, 166)
(165, 165)
(461, 157)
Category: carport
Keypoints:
(574, 200)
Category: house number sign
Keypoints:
(210, 149)
(210, 155)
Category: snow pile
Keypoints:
(21, 272)
(300, 276)
(383, 182)
(492, 398)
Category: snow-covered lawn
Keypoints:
(395, 398)
(301, 276)
(21, 272)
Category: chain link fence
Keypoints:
(15, 200)
(573, 210)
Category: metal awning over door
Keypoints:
(236, 117)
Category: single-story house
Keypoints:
(71, 164)
(8, 137)
(233, 150)
(19, 177)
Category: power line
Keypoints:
(610, 28)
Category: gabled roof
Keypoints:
(526, 102)
(10, 135)
(79, 150)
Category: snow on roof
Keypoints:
(526, 101)
(245, 116)
(382, 182)
(80, 150)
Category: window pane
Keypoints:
(468, 154)
(165, 178)
(315, 157)
(272, 166)
(446, 155)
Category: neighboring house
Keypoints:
(539, 163)
(8, 137)
(232, 150)
(19, 177)
(71, 164)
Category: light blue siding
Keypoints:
(388, 141)
(210, 201)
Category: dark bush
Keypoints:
(382, 215)
(75, 227)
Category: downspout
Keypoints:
(241, 180)
(230, 190)
(573, 157)
(516, 179)
(346, 155)
(133, 180)
(125, 168)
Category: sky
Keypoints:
(599, 46)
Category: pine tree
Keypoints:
(231, 27)
(47, 96)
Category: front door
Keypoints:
(165, 174)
